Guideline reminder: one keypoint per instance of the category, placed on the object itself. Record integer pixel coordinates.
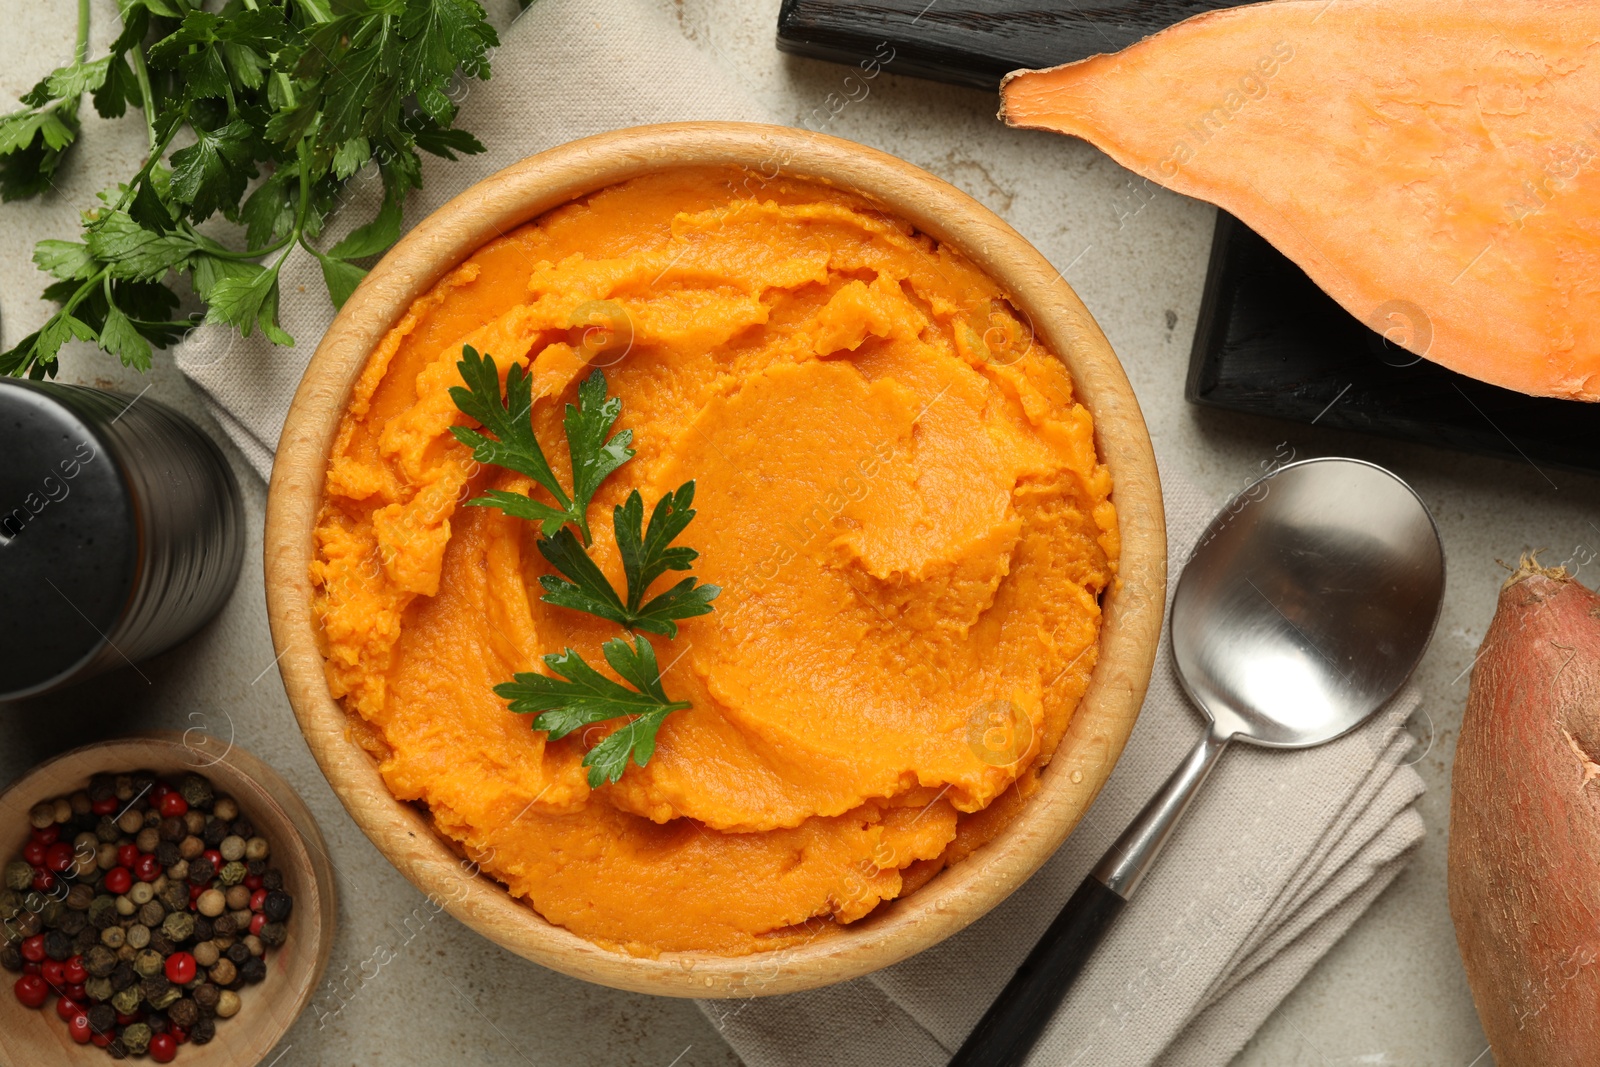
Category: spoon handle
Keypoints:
(1019, 1015)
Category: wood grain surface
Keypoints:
(294, 971)
(520, 193)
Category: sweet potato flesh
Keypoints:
(1434, 165)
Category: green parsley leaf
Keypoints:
(587, 588)
(594, 456)
(119, 337)
(340, 277)
(373, 238)
(580, 696)
(212, 172)
(248, 301)
(67, 260)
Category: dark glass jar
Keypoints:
(121, 532)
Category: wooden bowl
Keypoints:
(294, 971)
(522, 192)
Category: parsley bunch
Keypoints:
(285, 101)
(575, 695)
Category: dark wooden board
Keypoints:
(971, 42)
(1269, 342)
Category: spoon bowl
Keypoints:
(1307, 603)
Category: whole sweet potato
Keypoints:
(1525, 824)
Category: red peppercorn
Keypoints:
(173, 806)
(258, 900)
(180, 968)
(59, 856)
(104, 807)
(129, 1020)
(30, 968)
(252, 882)
(66, 1009)
(215, 857)
(32, 991)
(256, 923)
(163, 1048)
(179, 1034)
(76, 992)
(75, 971)
(33, 853)
(148, 868)
(33, 948)
(160, 790)
(101, 1040)
(127, 855)
(78, 1027)
(43, 880)
(54, 973)
(46, 835)
(118, 881)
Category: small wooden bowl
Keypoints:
(520, 193)
(294, 970)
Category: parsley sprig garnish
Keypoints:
(575, 694)
(582, 696)
(300, 94)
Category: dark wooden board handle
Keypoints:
(971, 42)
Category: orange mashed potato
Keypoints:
(897, 494)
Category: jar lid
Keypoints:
(69, 539)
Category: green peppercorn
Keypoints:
(147, 963)
(19, 876)
(99, 989)
(169, 998)
(127, 1001)
(154, 985)
(179, 926)
(196, 790)
(136, 1039)
(233, 873)
(100, 961)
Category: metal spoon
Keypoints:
(1303, 609)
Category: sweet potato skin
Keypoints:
(1524, 863)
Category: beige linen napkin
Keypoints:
(1276, 860)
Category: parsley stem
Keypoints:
(141, 74)
(82, 51)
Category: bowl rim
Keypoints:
(1132, 606)
(258, 787)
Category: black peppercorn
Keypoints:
(244, 828)
(10, 958)
(206, 996)
(102, 787)
(277, 906)
(157, 1022)
(100, 961)
(255, 868)
(252, 970)
(117, 1050)
(172, 829)
(175, 896)
(107, 831)
(123, 976)
(203, 930)
(85, 939)
(238, 952)
(167, 853)
(73, 922)
(58, 946)
(143, 782)
(272, 880)
(156, 986)
(201, 870)
(162, 943)
(205, 1028)
(184, 1013)
(214, 832)
(273, 934)
(102, 1018)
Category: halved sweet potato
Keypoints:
(1434, 165)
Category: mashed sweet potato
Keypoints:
(897, 493)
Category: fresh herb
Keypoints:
(300, 94)
(580, 696)
(645, 557)
(514, 447)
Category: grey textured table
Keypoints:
(1392, 993)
